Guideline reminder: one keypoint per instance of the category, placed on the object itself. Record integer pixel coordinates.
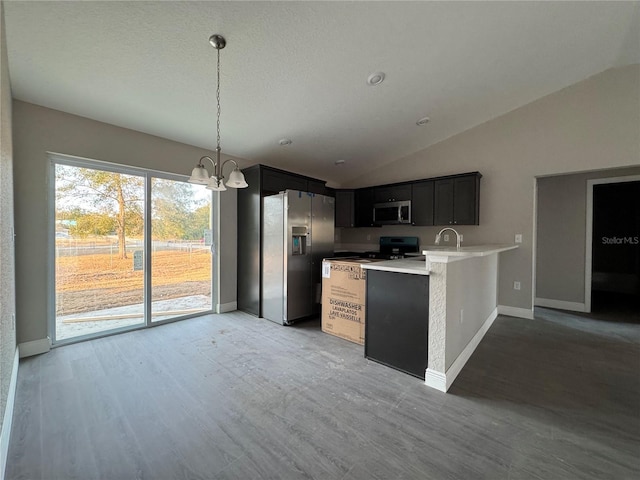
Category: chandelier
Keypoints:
(200, 175)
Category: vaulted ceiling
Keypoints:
(299, 70)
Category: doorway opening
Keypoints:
(612, 286)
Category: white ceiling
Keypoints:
(299, 69)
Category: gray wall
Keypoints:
(38, 130)
(591, 125)
(562, 226)
(470, 286)
(7, 255)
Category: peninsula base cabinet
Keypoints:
(397, 320)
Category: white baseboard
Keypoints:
(442, 381)
(226, 307)
(35, 347)
(7, 420)
(437, 380)
(561, 304)
(515, 312)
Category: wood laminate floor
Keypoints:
(235, 397)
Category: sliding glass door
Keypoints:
(181, 249)
(107, 219)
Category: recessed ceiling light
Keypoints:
(422, 121)
(340, 162)
(375, 79)
(285, 141)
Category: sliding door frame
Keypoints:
(147, 174)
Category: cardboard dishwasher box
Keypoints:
(344, 291)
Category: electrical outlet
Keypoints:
(461, 238)
(516, 285)
(518, 238)
(462, 315)
(446, 237)
(368, 237)
(13, 321)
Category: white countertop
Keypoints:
(420, 265)
(413, 265)
(471, 251)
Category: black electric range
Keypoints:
(393, 248)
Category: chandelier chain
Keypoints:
(218, 98)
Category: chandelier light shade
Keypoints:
(200, 175)
(236, 179)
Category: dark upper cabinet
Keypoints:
(422, 197)
(345, 208)
(391, 193)
(443, 202)
(363, 202)
(466, 200)
(319, 187)
(274, 181)
(457, 200)
(451, 200)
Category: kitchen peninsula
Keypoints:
(453, 295)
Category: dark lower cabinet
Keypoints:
(397, 320)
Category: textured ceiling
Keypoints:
(299, 69)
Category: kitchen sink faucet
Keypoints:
(439, 235)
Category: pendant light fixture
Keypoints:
(200, 175)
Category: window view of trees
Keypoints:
(99, 203)
(100, 192)
(174, 216)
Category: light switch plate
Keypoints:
(518, 238)
(516, 285)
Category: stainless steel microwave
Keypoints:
(392, 213)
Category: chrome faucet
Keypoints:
(439, 235)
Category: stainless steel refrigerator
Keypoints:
(298, 233)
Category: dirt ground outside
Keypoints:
(90, 282)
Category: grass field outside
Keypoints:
(91, 283)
